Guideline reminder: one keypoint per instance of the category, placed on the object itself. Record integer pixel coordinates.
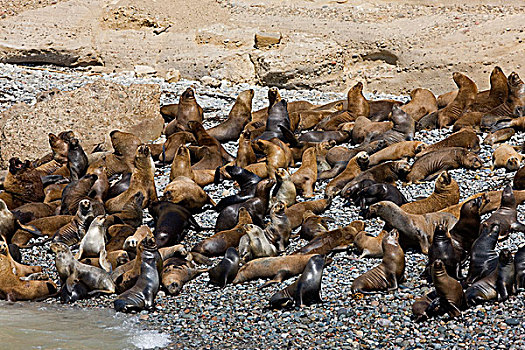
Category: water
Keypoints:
(28, 325)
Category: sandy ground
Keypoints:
(392, 46)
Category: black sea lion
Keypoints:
(443, 249)
(483, 257)
(226, 270)
(506, 215)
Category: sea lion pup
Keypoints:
(284, 189)
(305, 177)
(442, 248)
(171, 222)
(142, 295)
(420, 307)
(240, 114)
(217, 244)
(12, 288)
(295, 212)
(185, 192)
(388, 172)
(426, 167)
(414, 229)
(77, 160)
(369, 246)
(176, 272)
(450, 296)
(256, 206)
(75, 230)
(181, 164)
(498, 136)
(275, 156)
(519, 265)
(467, 229)
(279, 268)
(364, 128)
(498, 93)
(355, 166)
(422, 102)
(446, 193)
(255, 244)
(466, 96)
(306, 290)
(18, 269)
(188, 110)
(72, 272)
(279, 228)
(93, 243)
(125, 145)
(142, 179)
(22, 184)
(225, 271)
(505, 156)
(465, 138)
(204, 139)
(326, 242)
(377, 193)
(247, 182)
(506, 214)
(403, 129)
(389, 273)
(483, 256)
(313, 225)
(397, 151)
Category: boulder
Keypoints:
(91, 111)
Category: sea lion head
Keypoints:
(513, 163)
(232, 254)
(438, 269)
(143, 159)
(279, 208)
(99, 221)
(16, 166)
(74, 143)
(402, 168)
(148, 242)
(490, 229)
(273, 95)
(443, 181)
(188, 94)
(507, 197)
(58, 247)
(85, 207)
(420, 147)
(514, 80)
(441, 231)
(376, 208)
(505, 257)
(392, 238)
(282, 174)
(472, 161)
(362, 159)
(58, 146)
(4, 248)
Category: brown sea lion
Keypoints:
(389, 273)
(397, 151)
(305, 177)
(275, 157)
(171, 145)
(20, 270)
(142, 179)
(325, 242)
(446, 193)
(506, 214)
(279, 268)
(369, 246)
(188, 110)
(449, 291)
(116, 258)
(32, 211)
(77, 191)
(465, 138)
(313, 225)
(501, 135)
(176, 272)
(422, 102)
(365, 128)
(125, 145)
(311, 118)
(505, 156)
(204, 139)
(498, 93)
(245, 152)
(466, 230)
(295, 212)
(445, 99)
(117, 236)
(355, 166)
(491, 201)
(279, 228)
(466, 96)
(468, 120)
(47, 226)
(255, 244)
(22, 184)
(184, 191)
(217, 244)
(426, 167)
(239, 115)
(338, 136)
(357, 104)
(414, 229)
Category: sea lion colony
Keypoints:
(95, 200)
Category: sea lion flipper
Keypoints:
(70, 283)
(30, 229)
(279, 277)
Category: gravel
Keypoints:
(237, 316)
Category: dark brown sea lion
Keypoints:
(225, 271)
(355, 167)
(518, 183)
(446, 193)
(132, 212)
(369, 246)
(278, 268)
(142, 295)
(375, 192)
(449, 292)
(469, 120)
(466, 96)
(117, 236)
(247, 182)
(120, 186)
(188, 110)
(414, 229)
(422, 102)
(306, 290)
(171, 222)
(389, 273)
(506, 214)
(467, 229)
(32, 211)
(442, 248)
(142, 180)
(325, 242)
(465, 138)
(204, 139)
(444, 159)
(22, 184)
(77, 161)
(313, 225)
(240, 114)
(483, 256)
(506, 282)
(397, 151)
(176, 272)
(505, 156)
(75, 192)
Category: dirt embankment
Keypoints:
(390, 46)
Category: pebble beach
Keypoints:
(204, 317)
